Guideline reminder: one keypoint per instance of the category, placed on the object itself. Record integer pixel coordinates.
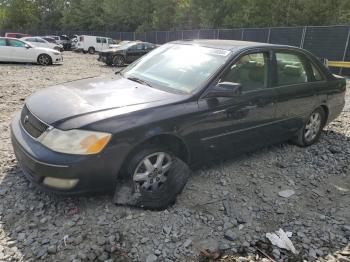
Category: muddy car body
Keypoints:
(248, 96)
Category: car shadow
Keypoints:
(40, 226)
(26, 64)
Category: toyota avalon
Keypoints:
(183, 103)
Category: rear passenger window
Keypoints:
(98, 40)
(290, 69)
(103, 40)
(250, 71)
(2, 42)
(317, 74)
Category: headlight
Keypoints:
(79, 142)
(56, 53)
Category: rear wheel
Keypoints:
(312, 129)
(157, 177)
(91, 50)
(44, 60)
(118, 60)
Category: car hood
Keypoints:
(44, 49)
(114, 46)
(113, 50)
(93, 95)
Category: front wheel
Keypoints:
(91, 50)
(118, 61)
(44, 60)
(157, 177)
(312, 129)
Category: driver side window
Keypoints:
(15, 43)
(250, 71)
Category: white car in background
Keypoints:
(40, 42)
(16, 50)
(91, 44)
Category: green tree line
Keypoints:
(147, 15)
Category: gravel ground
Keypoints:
(226, 208)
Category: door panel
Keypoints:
(135, 52)
(3, 50)
(297, 95)
(240, 123)
(18, 52)
(247, 120)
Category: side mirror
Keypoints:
(225, 89)
(27, 46)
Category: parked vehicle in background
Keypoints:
(126, 53)
(53, 41)
(91, 44)
(74, 41)
(185, 102)
(63, 40)
(16, 35)
(17, 50)
(40, 42)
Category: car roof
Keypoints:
(229, 45)
(14, 38)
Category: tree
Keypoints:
(21, 15)
(147, 15)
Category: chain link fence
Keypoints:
(331, 42)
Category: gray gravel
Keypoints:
(226, 206)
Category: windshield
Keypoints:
(127, 45)
(123, 42)
(183, 68)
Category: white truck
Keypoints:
(91, 44)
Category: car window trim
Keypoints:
(319, 71)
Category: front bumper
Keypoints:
(57, 58)
(105, 59)
(95, 173)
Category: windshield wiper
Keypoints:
(119, 72)
(138, 80)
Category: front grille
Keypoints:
(34, 126)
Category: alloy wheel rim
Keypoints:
(119, 61)
(312, 127)
(44, 60)
(151, 173)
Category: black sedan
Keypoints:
(126, 53)
(184, 103)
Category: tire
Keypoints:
(311, 131)
(118, 61)
(163, 193)
(44, 60)
(91, 50)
